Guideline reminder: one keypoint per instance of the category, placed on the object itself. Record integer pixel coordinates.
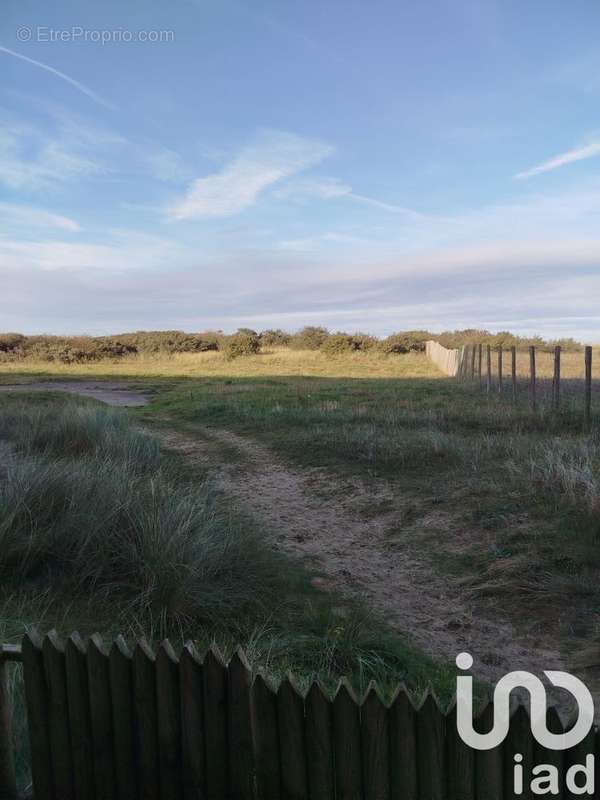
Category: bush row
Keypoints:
(81, 349)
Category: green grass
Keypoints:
(97, 521)
(521, 488)
(99, 531)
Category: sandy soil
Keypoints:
(114, 394)
(351, 552)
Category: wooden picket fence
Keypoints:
(448, 361)
(106, 722)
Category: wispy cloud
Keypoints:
(77, 84)
(30, 160)
(166, 165)
(391, 207)
(122, 251)
(332, 188)
(311, 243)
(577, 154)
(31, 217)
(275, 155)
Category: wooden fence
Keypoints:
(496, 371)
(105, 722)
(448, 361)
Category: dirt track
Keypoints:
(352, 553)
(114, 394)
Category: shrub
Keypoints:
(567, 345)
(309, 338)
(10, 341)
(365, 341)
(171, 341)
(504, 339)
(338, 344)
(405, 342)
(113, 348)
(241, 344)
(275, 338)
(248, 331)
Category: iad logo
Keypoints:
(546, 778)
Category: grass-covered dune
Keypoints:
(99, 530)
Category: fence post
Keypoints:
(473, 361)
(588, 387)
(556, 381)
(513, 372)
(8, 783)
(532, 377)
(488, 351)
(480, 363)
(500, 370)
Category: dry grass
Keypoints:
(572, 364)
(282, 362)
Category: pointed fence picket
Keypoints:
(107, 720)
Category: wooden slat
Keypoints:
(144, 690)
(431, 756)
(480, 363)
(79, 717)
(489, 764)
(266, 739)
(541, 755)
(578, 755)
(588, 387)
(169, 722)
(500, 371)
(36, 697)
(488, 355)
(319, 744)
(292, 744)
(239, 728)
(60, 739)
(532, 379)
(191, 690)
(101, 719)
(556, 378)
(513, 372)
(460, 762)
(346, 744)
(215, 725)
(519, 740)
(121, 690)
(403, 747)
(374, 737)
(8, 781)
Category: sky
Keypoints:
(374, 166)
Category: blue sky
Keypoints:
(375, 166)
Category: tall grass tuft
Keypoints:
(76, 430)
(570, 468)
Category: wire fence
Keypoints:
(545, 380)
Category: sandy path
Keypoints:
(354, 556)
(114, 394)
